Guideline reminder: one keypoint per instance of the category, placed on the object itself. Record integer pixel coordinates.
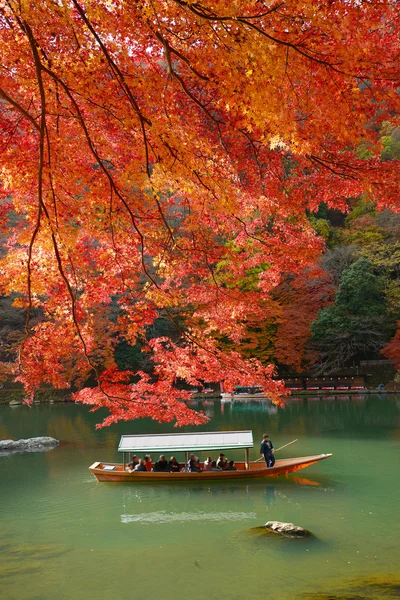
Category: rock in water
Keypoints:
(29, 445)
(286, 529)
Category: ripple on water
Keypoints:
(164, 517)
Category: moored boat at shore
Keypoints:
(244, 393)
(196, 442)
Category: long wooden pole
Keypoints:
(288, 444)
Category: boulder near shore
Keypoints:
(37, 444)
(286, 529)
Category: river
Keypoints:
(65, 536)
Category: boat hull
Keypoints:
(226, 397)
(256, 470)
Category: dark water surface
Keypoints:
(64, 536)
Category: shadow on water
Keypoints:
(324, 484)
(382, 587)
(22, 559)
(240, 490)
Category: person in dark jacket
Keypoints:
(131, 467)
(161, 465)
(222, 462)
(214, 466)
(231, 466)
(141, 466)
(193, 464)
(174, 466)
(267, 450)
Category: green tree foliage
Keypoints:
(355, 326)
(360, 290)
(391, 142)
(325, 222)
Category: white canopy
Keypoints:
(186, 442)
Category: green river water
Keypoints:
(65, 536)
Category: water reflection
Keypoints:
(162, 517)
(218, 490)
(254, 405)
(269, 496)
(215, 502)
(27, 450)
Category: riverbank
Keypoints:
(303, 393)
(15, 397)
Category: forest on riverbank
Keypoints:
(326, 320)
(196, 194)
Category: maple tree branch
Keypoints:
(53, 193)
(39, 68)
(253, 237)
(262, 15)
(41, 207)
(207, 14)
(116, 253)
(20, 108)
(11, 131)
(121, 80)
(104, 169)
(126, 88)
(325, 164)
(169, 49)
(73, 304)
(113, 187)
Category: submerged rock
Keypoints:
(286, 529)
(22, 559)
(378, 587)
(29, 445)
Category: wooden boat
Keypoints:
(244, 393)
(192, 442)
(256, 469)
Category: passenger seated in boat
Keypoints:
(174, 466)
(208, 464)
(131, 467)
(222, 462)
(193, 464)
(214, 466)
(141, 466)
(231, 466)
(148, 462)
(161, 465)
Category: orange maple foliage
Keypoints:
(301, 298)
(392, 350)
(139, 139)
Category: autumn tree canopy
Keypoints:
(156, 154)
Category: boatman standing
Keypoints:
(267, 450)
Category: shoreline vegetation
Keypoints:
(15, 397)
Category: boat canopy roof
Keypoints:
(186, 442)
